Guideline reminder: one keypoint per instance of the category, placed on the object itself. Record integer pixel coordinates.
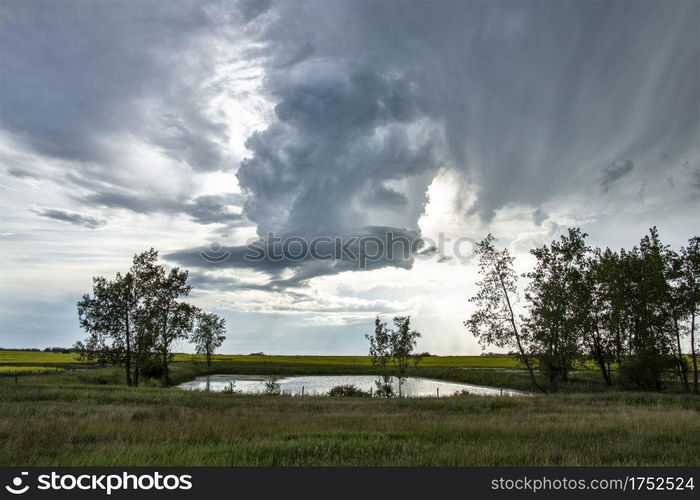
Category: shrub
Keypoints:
(348, 390)
(384, 388)
(231, 389)
(272, 387)
(644, 371)
(152, 369)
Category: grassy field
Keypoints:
(23, 370)
(82, 415)
(67, 420)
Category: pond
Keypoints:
(321, 384)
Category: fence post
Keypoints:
(302, 391)
(438, 391)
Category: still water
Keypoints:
(321, 384)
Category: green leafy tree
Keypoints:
(494, 321)
(650, 346)
(209, 334)
(688, 284)
(109, 316)
(402, 341)
(380, 355)
(556, 321)
(605, 334)
(134, 319)
(172, 319)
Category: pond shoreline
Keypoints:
(320, 384)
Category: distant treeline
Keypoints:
(629, 309)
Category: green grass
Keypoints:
(37, 357)
(23, 370)
(43, 422)
(84, 416)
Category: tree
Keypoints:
(380, 355)
(493, 322)
(108, 317)
(171, 319)
(134, 319)
(209, 334)
(605, 335)
(557, 321)
(678, 307)
(648, 300)
(402, 341)
(418, 357)
(93, 317)
(689, 295)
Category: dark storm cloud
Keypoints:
(72, 218)
(368, 248)
(77, 75)
(526, 99)
(341, 134)
(539, 216)
(614, 171)
(21, 173)
(210, 209)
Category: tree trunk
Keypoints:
(681, 362)
(166, 381)
(136, 376)
(696, 389)
(208, 359)
(599, 356)
(128, 351)
(604, 369)
(523, 356)
(166, 377)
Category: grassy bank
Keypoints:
(43, 422)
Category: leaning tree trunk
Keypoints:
(523, 356)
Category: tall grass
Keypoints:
(44, 423)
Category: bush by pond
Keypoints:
(348, 390)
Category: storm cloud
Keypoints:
(180, 124)
(526, 100)
(72, 218)
(209, 209)
(614, 171)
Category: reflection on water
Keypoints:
(321, 384)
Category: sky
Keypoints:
(203, 128)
